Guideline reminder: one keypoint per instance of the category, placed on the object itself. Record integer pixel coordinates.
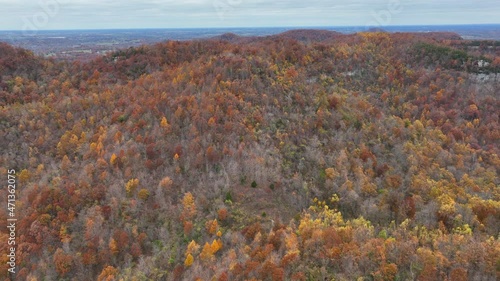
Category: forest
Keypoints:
(307, 155)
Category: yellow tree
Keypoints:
(107, 274)
(131, 186)
(212, 226)
(189, 206)
(189, 260)
(207, 253)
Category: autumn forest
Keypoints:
(308, 155)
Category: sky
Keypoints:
(111, 14)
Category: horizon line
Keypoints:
(256, 27)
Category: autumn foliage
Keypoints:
(308, 155)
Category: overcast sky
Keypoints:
(107, 14)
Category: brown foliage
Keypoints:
(63, 262)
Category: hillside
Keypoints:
(308, 155)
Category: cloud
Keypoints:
(227, 13)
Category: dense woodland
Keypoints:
(308, 155)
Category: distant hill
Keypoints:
(316, 35)
(309, 35)
(440, 35)
(230, 37)
(376, 29)
(301, 35)
(17, 61)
